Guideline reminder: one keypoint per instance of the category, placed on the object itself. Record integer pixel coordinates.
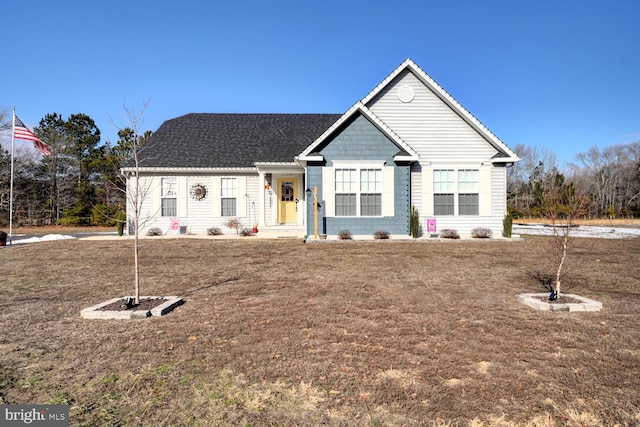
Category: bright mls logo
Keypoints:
(37, 415)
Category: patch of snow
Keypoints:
(579, 231)
(45, 238)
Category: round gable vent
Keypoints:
(406, 93)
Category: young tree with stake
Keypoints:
(561, 206)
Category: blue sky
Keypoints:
(564, 75)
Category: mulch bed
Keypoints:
(562, 299)
(145, 304)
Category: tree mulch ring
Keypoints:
(565, 302)
(124, 308)
(121, 305)
(562, 299)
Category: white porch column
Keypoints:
(261, 200)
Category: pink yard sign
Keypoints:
(431, 225)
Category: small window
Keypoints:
(168, 202)
(228, 196)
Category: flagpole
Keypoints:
(13, 134)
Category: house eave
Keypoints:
(505, 160)
(406, 158)
(311, 158)
(187, 169)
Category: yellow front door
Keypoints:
(287, 200)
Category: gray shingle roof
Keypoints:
(232, 140)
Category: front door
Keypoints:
(287, 201)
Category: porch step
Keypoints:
(281, 231)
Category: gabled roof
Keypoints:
(508, 154)
(407, 153)
(232, 140)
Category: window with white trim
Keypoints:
(169, 197)
(443, 192)
(228, 196)
(346, 192)
(468, 192)
(370, 192)
(449, 192)
(358, 192)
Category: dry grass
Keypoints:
(335, 333)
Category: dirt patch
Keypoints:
(126, 305)
(282, 333)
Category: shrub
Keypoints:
(246, 232)
(155, 231)
(381, 235)
(234, 224)
(481, 233)
(121, 219)
(414, 222)
(507, 225)
(344, 235)
(449, 233)
(214, 231)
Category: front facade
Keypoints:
(407, 143)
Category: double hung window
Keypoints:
(358, 192)
(456, 193)
(168, 202)
(468, 192)
(228, 196)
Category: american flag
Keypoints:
(22, 132)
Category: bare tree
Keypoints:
(562, 205)
(135, 191)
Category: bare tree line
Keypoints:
(608, 177)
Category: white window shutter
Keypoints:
(241, 200)
(485, 190)
(216, 193)
(328, 191)
(388, 194)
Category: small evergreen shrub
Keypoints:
(155, 231)
(507, 224)
(414, 222)
(214, 231)
(381, 235)
(344, 235)
(246, 232)
(481, 233)
(449, 233)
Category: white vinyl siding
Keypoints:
(428, 124)
(498, 191)
(197, 217)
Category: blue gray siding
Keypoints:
(361, 140)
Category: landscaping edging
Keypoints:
(94, 312)
(585, 304)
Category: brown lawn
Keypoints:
(276, 332)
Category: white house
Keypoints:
(406, 143)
